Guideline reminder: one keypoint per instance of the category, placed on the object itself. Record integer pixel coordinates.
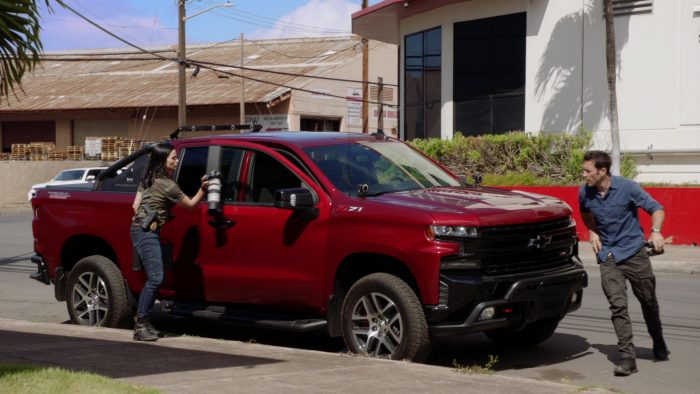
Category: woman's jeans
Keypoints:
(147, 244)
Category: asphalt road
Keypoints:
(581, 352)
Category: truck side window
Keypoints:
(193, 165)
(231, 162)
(269, 175)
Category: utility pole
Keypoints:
(242, 109)
(365, 77)
(380, 104)
(181, 56)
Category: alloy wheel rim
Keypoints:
(377, 325)
(90, 299)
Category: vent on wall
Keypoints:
(387, 94)
(629, 7)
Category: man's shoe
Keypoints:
(626, 367)
(661, 352)
(142, 332)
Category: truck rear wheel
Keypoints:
(531, 335)
(96, 294)
(382, 317)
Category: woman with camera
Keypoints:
(157, 195)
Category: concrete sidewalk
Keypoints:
(195, 365)
(675, 259)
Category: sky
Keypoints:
(153, 23)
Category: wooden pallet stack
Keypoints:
(56, 156)
(126, 147)
(39, 150)
(110, 151)
(75, 152)
(4, 156)
(19, 152)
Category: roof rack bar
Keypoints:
(252, 127)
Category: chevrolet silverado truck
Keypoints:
(358, 234)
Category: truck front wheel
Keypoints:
(96, 293)
(382, 317)
(531, 335)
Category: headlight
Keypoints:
(437, 231)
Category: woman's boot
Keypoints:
(142, 330)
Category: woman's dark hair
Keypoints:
(600, 159)
(156, 164)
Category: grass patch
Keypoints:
(33, 379)
(487, 369)
(590, 387)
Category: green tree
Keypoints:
(611, 62)
(20, 44)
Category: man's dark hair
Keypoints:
(600, 159)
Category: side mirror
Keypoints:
(297, 199)
(90, 178)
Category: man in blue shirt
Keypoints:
(609, 206)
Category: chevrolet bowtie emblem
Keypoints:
(539, 241)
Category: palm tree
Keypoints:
(611, 61)
(20, 44)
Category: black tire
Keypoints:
(398, 331)
(531, 335)
(97, 295)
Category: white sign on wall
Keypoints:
(270, 122)
(354, 101)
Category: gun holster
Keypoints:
(149, 222)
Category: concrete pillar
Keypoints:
(64, 134)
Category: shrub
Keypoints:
(516, 158)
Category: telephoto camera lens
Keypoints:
(214, 192)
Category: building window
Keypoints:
(489, 75)
(422, 79)
(319, 124)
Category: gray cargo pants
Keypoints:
(636, 269)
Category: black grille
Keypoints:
(525, 248)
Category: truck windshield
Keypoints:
(69, 175)
(377, 167)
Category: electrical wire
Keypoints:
(263, 21)
(206, 65)
(353, 46)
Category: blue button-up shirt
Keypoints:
(616, 216)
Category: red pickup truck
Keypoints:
(360, 234)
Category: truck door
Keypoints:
(181, 237)
(264, 255)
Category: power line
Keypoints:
(200, 62)
(210, 65)
(272, 22)
(112, 34)
(206, 66)
(353, 46)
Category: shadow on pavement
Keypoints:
(113, 358)
(475, 349)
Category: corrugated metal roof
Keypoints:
(116, 82)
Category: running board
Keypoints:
(237, 316)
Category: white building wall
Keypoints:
(658, 83)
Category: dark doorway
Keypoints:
(320, 124)
(489, 75)
(26, 132)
